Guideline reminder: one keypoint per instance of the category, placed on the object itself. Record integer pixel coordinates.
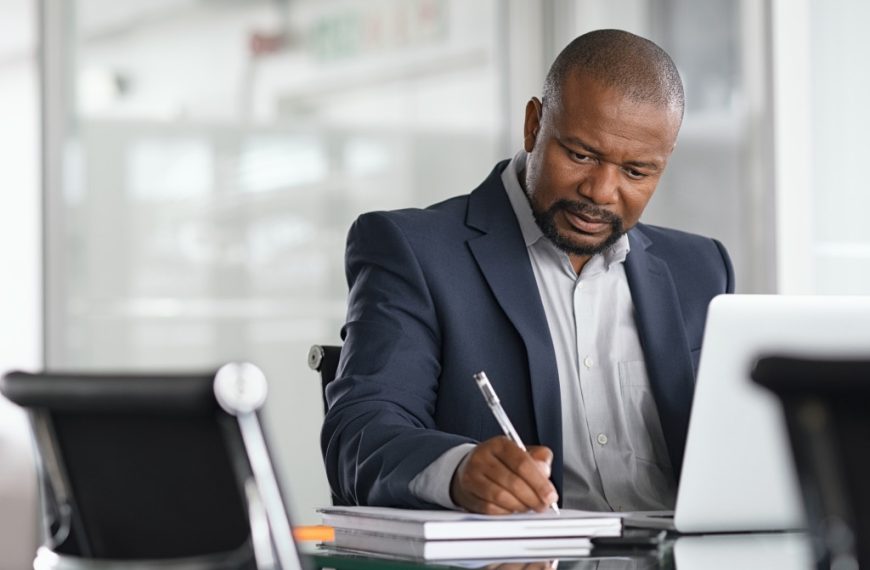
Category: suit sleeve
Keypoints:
(379, 431)
(729, 268)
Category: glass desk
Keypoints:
(768, 551)
(764, 551)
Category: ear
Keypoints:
(532, 124)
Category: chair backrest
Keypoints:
(323, 358)
(826, 403)
(139, 466)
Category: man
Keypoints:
(587, 323)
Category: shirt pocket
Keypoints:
(641, 414)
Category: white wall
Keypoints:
(20, 281)
(20, 255)
(793, 147)
(840, 79)
(821, 84)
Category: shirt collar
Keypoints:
(519, 201)
(532, 234)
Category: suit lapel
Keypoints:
(662, 335)
(501, 255)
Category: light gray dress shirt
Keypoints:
(614, 450)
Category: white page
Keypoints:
(417, 515)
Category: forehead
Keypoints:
(588, 109)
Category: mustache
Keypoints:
(587, 210)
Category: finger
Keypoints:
(527, 478)
(498, 473)
(533, 473)
(542, 459)
(526, 483)
(498, 466)
(544, 456)
(477, 504)
(509, 492)
(474, 482)
(493, 482)
(486, 484)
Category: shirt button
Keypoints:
(580, 285)
(602, 439)
(588, 362)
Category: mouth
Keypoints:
(585, 224)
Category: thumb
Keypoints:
(543, 456)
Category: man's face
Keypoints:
(594, 160)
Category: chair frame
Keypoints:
(240, 392)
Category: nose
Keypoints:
(601, 184)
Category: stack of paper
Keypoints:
(448, 535)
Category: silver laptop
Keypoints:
(738, 473)
(746, 551)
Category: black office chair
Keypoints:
(827, 411)
(323, 358)
(169, 469)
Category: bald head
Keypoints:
(635, 66)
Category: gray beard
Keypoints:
(546, 220)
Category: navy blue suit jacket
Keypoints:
(439, 294)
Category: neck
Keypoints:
(578, 261)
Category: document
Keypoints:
(477, 549)
(453, 525)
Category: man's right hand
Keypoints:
(498, 477)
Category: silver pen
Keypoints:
(500, 416)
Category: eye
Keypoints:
(634, 174)
(579, 157)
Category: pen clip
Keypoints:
(486, 388)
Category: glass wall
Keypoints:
(719, 180)
(839, 125)
(214, 158)
(208, 157)
(20, 204)
(821, 124)
(20, 260)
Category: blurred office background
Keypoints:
(181, 194)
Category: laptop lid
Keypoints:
(738, 473)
